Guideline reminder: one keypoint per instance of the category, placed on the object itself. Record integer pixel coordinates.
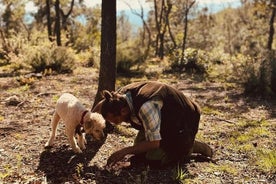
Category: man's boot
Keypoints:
(203, 149)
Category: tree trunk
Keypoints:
(187, 9)
(49, 22)
(184, 35)
(167, 10)
(271, 28)
(158, 24)
(107, 74)
(57, 23)
(269, 47)
(65, 16)
(169, 4)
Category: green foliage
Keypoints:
(124, 131)
(128, 57)
(252, 138)
(266, 160)
(12, 15)
(194, 61)
(124, 64)
(63, 60)
(79, 169)
(59, 59)
(223, 168)
(209, 110)
(260, 76)
(179, 175)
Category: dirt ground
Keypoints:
(26, 112)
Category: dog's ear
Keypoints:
(89, 125)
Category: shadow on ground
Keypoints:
(61, 164)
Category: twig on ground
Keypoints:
(228, 121)
(38, 95)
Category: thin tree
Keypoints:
(271, 26)
(158, 24)
(107, 74)
(49, 21)
(162, 24)
(57, 23)
(188, 6)
(145, 27)
(269, 47)
(169, 4)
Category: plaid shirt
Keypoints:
(150, 115)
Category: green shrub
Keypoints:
(58, 59)
(252, 82)
(261, 76)
(62, 60)
(124, 65)
(194, 61)
(128, 57)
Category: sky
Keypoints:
(213, 6)
(121, 5)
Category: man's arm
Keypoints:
(140, 147)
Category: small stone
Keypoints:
(12, 100)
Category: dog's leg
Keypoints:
(81, 141)
(70, 132)
(54, 124)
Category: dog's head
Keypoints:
(94, 124)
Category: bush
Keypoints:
(129, 57)
(194, 61)
(261, 76)
(62, 60)
(58, 59)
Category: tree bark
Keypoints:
(49, 22)
(107, 74)
(158, 24)
(187, 9)
(65, 16)
(57, 23)
(168, 24)
(271, 27)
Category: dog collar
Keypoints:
(82, 116)
(79, 129)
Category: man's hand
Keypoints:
(141, 147)
(116, 157)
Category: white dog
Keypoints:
(75, 117)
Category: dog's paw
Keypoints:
(77, 150)
(48, 145)
(83, 147)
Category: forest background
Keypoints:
(180, 35)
